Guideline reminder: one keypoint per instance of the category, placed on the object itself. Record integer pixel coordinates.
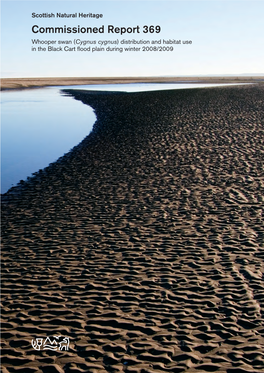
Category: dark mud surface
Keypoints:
(144, 244)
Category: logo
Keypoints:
(54, 343)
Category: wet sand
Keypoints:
(144, 244)
(22, 83)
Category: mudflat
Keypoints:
(144, 244)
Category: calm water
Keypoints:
(40, 125)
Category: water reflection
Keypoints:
(138, 87)
(38, 126)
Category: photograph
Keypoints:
(132, 186)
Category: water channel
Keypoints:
(40, 125)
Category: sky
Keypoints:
(227, 38)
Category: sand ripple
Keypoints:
(144, 244)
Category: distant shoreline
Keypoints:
(23, 83)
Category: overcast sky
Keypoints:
(227, 38)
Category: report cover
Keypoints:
(132, 186)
